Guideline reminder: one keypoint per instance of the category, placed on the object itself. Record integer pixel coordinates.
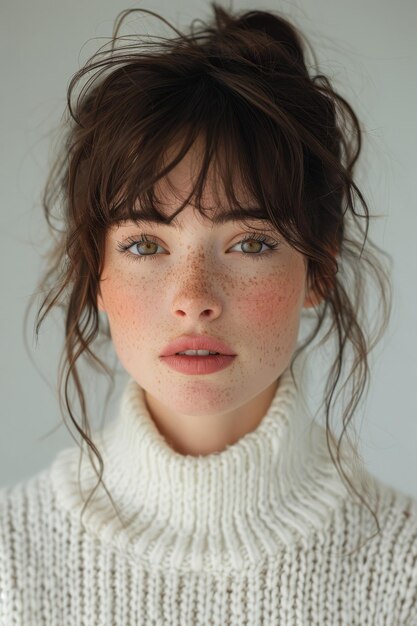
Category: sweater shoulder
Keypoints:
(34, 534)
(387, 558)
(26, 506)
(396, 507)
(398, 520)
(396, 512)
(38, 494)
(29, 515)
(20, 495)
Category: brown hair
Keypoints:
(241, 82)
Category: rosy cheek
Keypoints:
(130, 307)
(269, 301)
(269, 315)
(126, 297)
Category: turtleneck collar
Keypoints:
(227, 510)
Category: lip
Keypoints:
(198, 365)
(197, 342)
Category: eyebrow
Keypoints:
(253, 213)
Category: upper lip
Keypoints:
(197, 342)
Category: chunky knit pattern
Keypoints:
(259, 533)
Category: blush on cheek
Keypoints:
(269, 304)
(270, 314)
(126, 298)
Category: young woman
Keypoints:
(208, 216)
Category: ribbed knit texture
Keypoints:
(256, 534)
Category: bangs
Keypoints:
(241, 157)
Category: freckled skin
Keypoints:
(196, 285)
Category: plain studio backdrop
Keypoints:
(369, 51)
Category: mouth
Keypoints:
(198, 364)
(197, 346)
(204, 353)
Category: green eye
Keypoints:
(124, 248)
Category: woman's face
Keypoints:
(197, 279)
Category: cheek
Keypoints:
(269, 312)
(127, 300)
(130, 307)
(273, 301)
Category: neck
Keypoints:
(205, 434)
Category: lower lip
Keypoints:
(198, 364)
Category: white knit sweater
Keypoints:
(253, 535)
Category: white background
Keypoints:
(367, 48)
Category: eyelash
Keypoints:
(123, 247)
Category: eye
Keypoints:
(133, 242)
(258, 238)
(146, 243)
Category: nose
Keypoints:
(196, 312)
(196, 306)
(197, 297)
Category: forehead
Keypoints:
(175, 200)
(178, 185)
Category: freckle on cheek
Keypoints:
(263, 304)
